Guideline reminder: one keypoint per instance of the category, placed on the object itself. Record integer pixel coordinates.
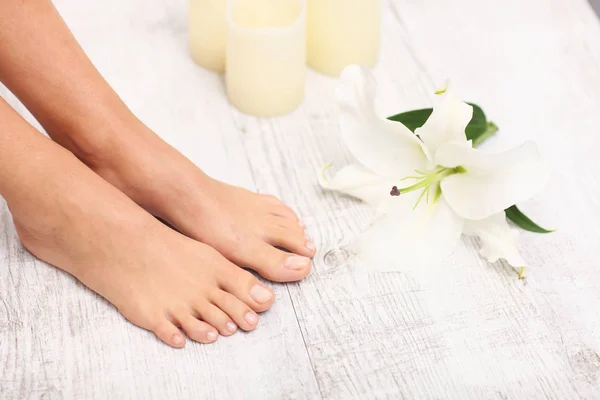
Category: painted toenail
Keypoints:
(251, 318)
(297, 262)
(231, 327)
(177, 339)
(310, 246)
(260, 294)
(211, 336)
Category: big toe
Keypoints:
(278, 208)
(247, 288)
(276, 265)
(289, 235)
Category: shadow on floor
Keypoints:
(596, 6)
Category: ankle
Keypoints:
(94, 137)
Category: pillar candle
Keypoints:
(207, 32)
(341, 33)
(266, 55)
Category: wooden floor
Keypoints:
(463, 330)
(595, 5)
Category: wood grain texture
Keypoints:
(59, 340)
(463, 330)
(466, 329)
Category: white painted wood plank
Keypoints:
(466, 329)
(60, 340)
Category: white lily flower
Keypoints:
(442, 187)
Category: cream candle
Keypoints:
(207, 32)
(266, 55)
(343, 32)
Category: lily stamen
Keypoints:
(470, 202)
(427, 181)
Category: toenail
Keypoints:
(251, 318)
(260, 294)
(310, 246)
(301, 224)
(297, 262)
(211, 336)
(177, 339)
(231, 327)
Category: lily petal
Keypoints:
(492, 182)
(497, 239)
(357, 181)
(447, 123)
(406, 240)
(385, 147)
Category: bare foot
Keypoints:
(247, 228)
(53, 77)
(156, 277)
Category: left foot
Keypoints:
(247, 228)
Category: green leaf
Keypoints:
(490, 130)
(478, 130)
(412, 119)
(521, 220)
(478, 126)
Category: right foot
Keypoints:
(250, 229)
(158, 279)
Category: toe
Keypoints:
(247, 288)
(271, 200)
(291, 239)
(274, 264)
(216, 317)
(277, 207)
(283, 211)
(239, 311)
(169, 333)
(286, 223)
(197, 330)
